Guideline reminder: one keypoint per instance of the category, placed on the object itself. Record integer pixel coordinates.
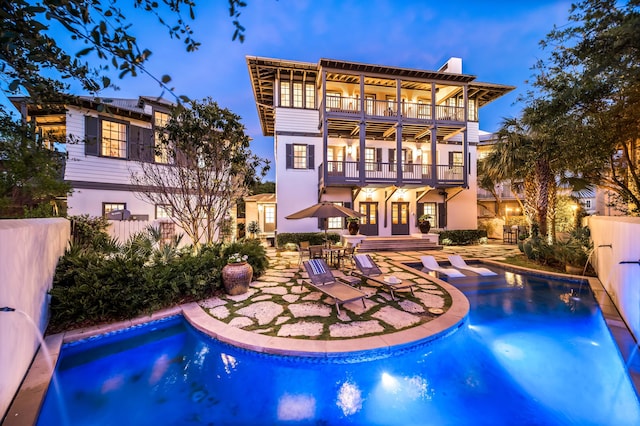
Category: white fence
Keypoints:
(616, 259)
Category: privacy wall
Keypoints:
(29, 252)
(616, 259)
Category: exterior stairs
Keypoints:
(397, 243)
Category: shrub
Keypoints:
(462, 237)
(314, 238)
(93, 286)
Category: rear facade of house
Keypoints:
(392, 143)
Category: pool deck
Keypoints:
(406, 323)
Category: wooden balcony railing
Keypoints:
(382, 108)
(349, 172)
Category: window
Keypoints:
(428, 209)
(269, 214)
(114, 139)
(163, 211)
(369, 104)
(369, 158)
(109, 207)
(299, 156)
(161, 152)
(310, 96)
(297, 95)
(335, 222)
(335, 159)
(473, 112)
(455, 159)
(285, 93)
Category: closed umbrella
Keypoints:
(324, 210)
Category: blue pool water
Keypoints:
(528, 355)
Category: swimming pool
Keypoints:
(529, 354)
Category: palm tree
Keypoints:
(522, 154)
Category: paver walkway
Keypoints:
(280, 304)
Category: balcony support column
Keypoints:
(363, 140)
(434, 158)
(465, 141)
(399, 154)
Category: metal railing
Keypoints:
(389, 108)
(349, 171)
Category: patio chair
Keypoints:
(303, 250)
(430, 263)
(458, 262)
(347, 254)
(322, 279)
(368, 270)
(315, 252)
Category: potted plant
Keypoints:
(353, 225)
(424, 223)
(237, 274)
(253, 228)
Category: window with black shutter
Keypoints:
(91, 136)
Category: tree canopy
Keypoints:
(587, 95)
(34, 35)
(208, 167)
(30, 171)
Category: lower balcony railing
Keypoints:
(349, 172)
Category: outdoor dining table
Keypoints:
(332, 255)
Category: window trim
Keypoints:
(164, 207)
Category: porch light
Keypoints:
(349, 149)
(368, 192)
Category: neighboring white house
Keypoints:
(392, 143)
(106, 141)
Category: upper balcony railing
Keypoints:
(349, 172)
(386, 108)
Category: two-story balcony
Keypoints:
(351, 173)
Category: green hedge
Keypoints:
(462, 237)
(92, 286)
(314, 238)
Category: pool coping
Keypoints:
(25, 407)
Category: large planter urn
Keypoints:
(353, 227)
(424, 226)
(236, 278)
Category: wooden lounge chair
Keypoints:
(430, 263)
(322, 279)
(458, 262)
(367, 269)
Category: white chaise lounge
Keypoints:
(459, 263)
(430, 263)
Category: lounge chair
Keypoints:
(459, 263)
(430, 263)
(367, 269)
(322, 279)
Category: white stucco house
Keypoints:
(392, 143)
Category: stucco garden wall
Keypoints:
(29, 252)
(615, 240)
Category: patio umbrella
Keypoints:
(324, 210)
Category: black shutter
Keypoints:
(419, 211)
(135, 143)
(379, 158)
(289, 154)
(450, 159)
(310, 156)
(347, 204)
(91, 146)
(442, 215)
(149, 145)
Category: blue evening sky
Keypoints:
(498, 42)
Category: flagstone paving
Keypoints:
(279, 303)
